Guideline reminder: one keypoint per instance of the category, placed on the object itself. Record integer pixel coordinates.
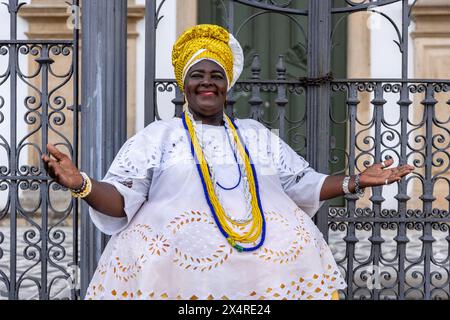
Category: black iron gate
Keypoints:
(38, 219)
(393, 253)
(385, 253)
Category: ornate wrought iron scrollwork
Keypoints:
(354, 6)
(274, 6)
(37, 228)
(400, 240)
(424, 151)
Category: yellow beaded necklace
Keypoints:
(254, 229)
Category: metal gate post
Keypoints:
(103, 109)
(150, 60)
(318, 97)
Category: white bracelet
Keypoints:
(345, 183)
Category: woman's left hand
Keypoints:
(379, 174)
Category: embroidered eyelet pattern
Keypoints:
(124, 268)
(139, 154)
(159, 245)
(127, 268)
(136, 157)
(293, 252)
(203, 264)
(186, 260)
(175, 150)
(127, 183)
(189, 217)
(281, 163)
(319, 286)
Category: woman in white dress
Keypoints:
(207, 207)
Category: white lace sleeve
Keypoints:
(131, 173)
(300, 182)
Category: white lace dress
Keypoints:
(169, 247)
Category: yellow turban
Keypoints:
(207, 42)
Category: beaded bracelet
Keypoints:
(83, 186)
(85, 189)
(358, 191)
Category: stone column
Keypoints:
(186, 14)
(431, 39)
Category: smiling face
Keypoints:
(206, 91)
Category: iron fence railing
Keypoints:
(394, 243)
(38, 219)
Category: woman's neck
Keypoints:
(214, 120)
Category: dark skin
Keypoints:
(104, 197)
(206, 90)
(206, 87)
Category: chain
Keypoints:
(316, 81)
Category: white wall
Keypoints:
(386, 62)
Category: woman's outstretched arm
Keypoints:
(104, 197)
(375, 175)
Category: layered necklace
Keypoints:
(238, 232)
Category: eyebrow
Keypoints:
(203, 71)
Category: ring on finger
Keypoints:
(386, 181)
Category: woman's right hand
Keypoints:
(62, 169)
(103, 197)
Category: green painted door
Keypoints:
(271, 35)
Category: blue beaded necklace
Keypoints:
(208, 200)
(239, 168)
